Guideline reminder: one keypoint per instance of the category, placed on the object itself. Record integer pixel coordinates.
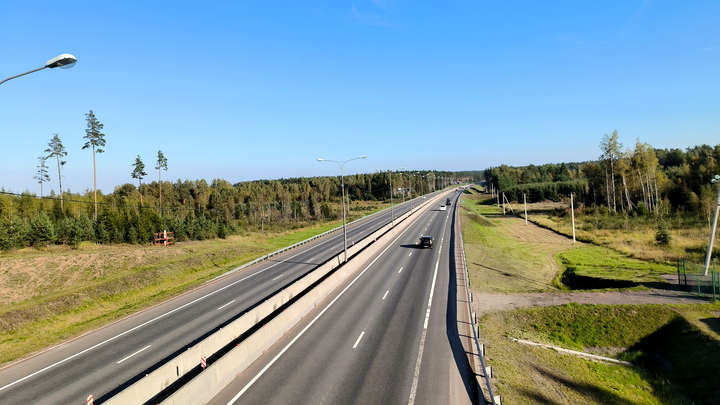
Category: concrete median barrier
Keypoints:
(217, 375)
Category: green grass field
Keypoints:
(673, 347)
(673, 358)
(116, 282)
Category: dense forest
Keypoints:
(197, 210)
(638, 181)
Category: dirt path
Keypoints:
(484, 302)
(531, 234)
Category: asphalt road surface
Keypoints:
(389, 335)
(104, 362)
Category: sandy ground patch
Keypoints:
(484, 302)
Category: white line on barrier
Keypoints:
(277, 277)
(358, 339)
(142, 325)
(226, 304)
(309, 325)
(386, 293)
(181, 307)
(144, 348)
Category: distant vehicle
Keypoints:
(442, 208)
(426, 241)
(447, 202)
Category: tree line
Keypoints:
(197, 210)
(642, 180)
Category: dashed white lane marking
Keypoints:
(309, 325)
(400, 271)
(133, 354)
(410, 254)
(358, 339)
(226, 304)
(386, 293)
(277, 277)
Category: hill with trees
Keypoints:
(641, 181)
(198, 210)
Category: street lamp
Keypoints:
(392, 214)
(64, 61)
(409, 188)
(716, 179)
(422, 192)
(342, 187)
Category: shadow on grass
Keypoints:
(712, 323)
(679, 353)
(506, 274)
(576, 281)
(596, 393)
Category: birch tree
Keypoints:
(611, 152)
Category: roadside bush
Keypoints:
(662, 236)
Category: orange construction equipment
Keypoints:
(163, 238)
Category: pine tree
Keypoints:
(139, 173)
(42, 174)
(57, 150)
(161, 165)
(96, 141)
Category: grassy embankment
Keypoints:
(632, 236)
(673, 347)
(50, 295)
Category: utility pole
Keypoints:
(713, 228)
(572, 215)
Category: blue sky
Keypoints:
(243, 90)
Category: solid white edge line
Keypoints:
(416, 375)
(358, 340)
(305, 329)
(226, 305)
(146, 347)
(80, 353)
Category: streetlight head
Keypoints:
(320, 159)
(64, 61)
(363, 156)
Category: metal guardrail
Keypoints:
(475, 333)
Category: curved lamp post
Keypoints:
(342, 186)
(64, 61)
(713, 228)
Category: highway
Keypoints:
(104, 362)
(389, 335)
